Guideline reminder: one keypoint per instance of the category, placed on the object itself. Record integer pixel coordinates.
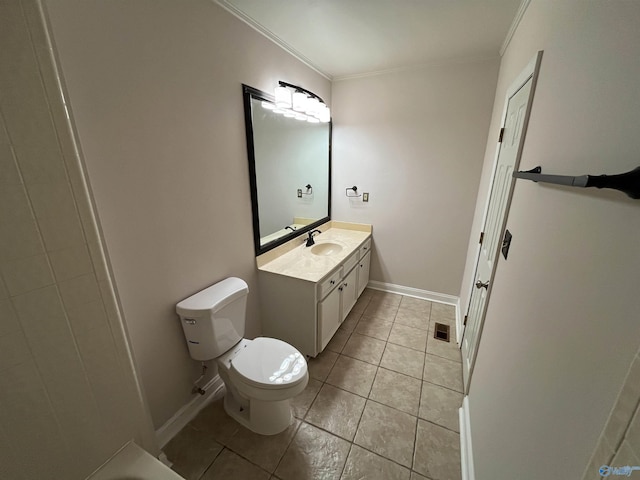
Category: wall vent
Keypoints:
(441, 332)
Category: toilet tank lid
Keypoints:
(213, 298)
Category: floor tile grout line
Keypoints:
(443, 386)
(438, 425)
(415, 437)
(359, 421)
(346, 460)
(290, 442)
(352, 442)
(225, 447)
(212, 461)
(440, 356)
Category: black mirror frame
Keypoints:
(248, 93)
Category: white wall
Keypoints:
(155, 90)
(414, 140)
(69, 398)
(562, 326)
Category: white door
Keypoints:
(512, 140)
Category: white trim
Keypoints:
(415, 67)
(425, 295)
(516, 85)
(459, 327)
(236, 12)
(414, 292)
(466, 452)
(514, 25)
(520, 80)
(214, 390)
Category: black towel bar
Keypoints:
(628, 182)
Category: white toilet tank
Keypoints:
(213, 319)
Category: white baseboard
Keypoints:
(466, 452)
(425, 295)
(414, 292)
(459, 327)
(214, 390)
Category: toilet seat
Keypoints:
(270, 364)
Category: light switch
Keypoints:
(365, 197)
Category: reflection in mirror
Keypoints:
(289, 166)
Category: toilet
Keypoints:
(261, 376)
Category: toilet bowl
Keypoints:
(261, 376)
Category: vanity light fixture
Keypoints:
(295, 101)
(283, 97)
(299, 101)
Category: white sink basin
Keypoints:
(326, 249)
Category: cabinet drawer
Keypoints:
(349, 263)
(330, 283)
(364, 248)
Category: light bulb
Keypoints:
(283, 97)
(325, 115)
(313, 104)
(299, 101)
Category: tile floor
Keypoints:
(382, 403)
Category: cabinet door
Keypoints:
(363, 272)
(349, 292)
(328, 317)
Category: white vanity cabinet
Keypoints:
(335, 307)
(363, 272)
(307, 314)
(329, 318)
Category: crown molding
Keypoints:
(233, 10)
(420, 66)
(514, 25)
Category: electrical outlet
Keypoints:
(365, 197)
(299, 193)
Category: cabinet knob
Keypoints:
(332, 282)
(346, 285)
(340, 288)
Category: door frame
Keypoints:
(531, 71)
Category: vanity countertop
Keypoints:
(301, 263)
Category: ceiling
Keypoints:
(343, 38)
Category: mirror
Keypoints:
(289, 172)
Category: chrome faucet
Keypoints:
(310, 241)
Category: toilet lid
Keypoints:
(270, 363)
